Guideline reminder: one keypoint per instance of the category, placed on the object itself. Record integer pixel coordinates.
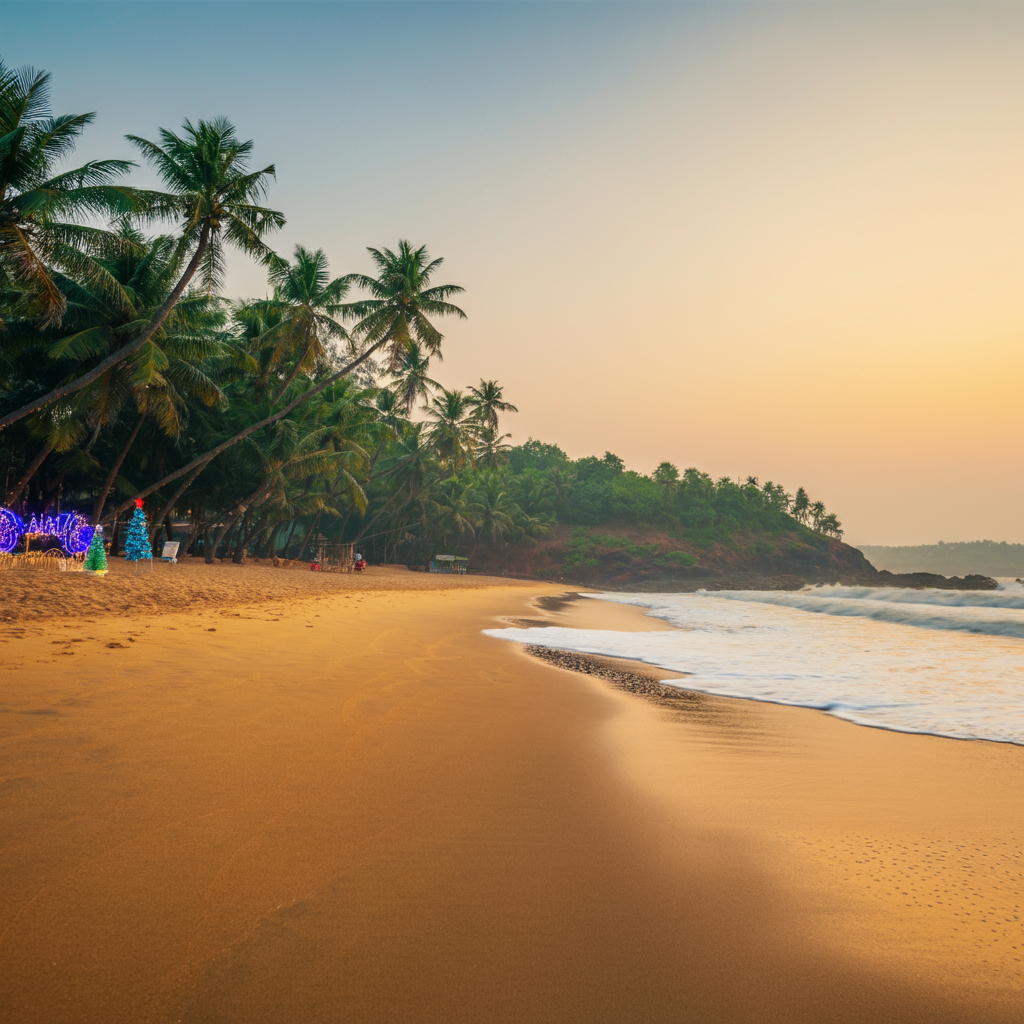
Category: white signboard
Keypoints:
(170, 551)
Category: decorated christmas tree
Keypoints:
(137, 544)
(96, 557)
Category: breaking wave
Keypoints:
(970, 611)
(938, 662)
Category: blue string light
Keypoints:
(12, 526)
(72, 529)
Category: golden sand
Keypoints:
(345, 804)
(191, 585)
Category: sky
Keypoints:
(774, 239)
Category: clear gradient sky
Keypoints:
(777, 239)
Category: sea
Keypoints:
(943, 662)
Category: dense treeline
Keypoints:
(266, 424)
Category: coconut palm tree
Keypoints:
(302, 314)
(490, 451)
(410, 380)
(38, 204)
(404, 299)
(817, 514)
(161, 378)
(156, 383)
(666, 476)
(534, 492)
(454, 429)
(801, 503)
(456, 512)
(486, 402)
(212, 197)
(494, 509)
(402, 303)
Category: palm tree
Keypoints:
(402, 303)
(666, 476)
(486, 402)
(454, 429)
(490, 451)
(212, 197)
(389, 320)
(303, 310)
(410, 378)
(495, 511)
(410, 471)
(36, 203)
(817, 513)
(801, 503)
(161, 377)
(456, 514)
(157, 382)
(535, 493)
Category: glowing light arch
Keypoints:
(72, 529)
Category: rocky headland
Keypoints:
(649, 560)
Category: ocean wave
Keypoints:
(945, 681)
(931, 610)
(1006, 595)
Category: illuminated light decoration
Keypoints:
(71, 528)
(12, 526)
(96, 557)
(74, 531)
(136, 544)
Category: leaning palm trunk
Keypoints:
(243, 508)
(255, 535)
(316, 525)
(125, 350)
(268, 421)
(212, 553)
(295, 372)
(167, 509)
(266, 549)
(115, 469)
(30, 471)
(291, 536)
(240, 540)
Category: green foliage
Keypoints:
(693, 507)
(535, 455)
(42, 208)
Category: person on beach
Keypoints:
(360, 563)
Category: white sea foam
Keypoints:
(928, 661)
(998, 612)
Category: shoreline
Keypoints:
(358, 807)
(641, 679)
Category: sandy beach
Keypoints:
(240, 794)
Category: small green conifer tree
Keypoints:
(96, 557)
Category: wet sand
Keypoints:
(349, 805)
